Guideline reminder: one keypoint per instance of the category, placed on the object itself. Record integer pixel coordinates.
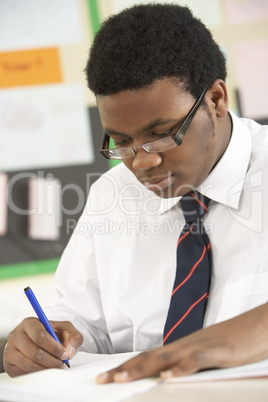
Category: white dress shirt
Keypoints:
(116, 275)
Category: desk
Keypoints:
(252, 390)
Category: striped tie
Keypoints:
(191, 286)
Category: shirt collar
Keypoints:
(225, 182)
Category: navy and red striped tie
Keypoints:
(191, 286)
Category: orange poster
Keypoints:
(29, 67)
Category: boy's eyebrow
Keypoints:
(109, 131)
(155, 123)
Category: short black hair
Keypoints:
(145, 43)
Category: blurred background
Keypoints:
(50, 131)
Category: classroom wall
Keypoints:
(43, 49)
(47, 121)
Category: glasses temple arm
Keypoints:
(178, 137)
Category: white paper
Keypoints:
(254, 370)
(79, 382)
(44, 208)
(30, 24)
(44, 126)
(75, 384)
(3, 203)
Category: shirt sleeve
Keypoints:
(76, 281)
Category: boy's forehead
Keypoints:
(160, 104)
(161, 92)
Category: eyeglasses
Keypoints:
(152, 147)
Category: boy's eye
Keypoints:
(166, 133)
(121, 142)
(124, 142)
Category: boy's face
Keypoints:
(135, 117)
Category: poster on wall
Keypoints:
(251, 64)
(246, 11)
(53, 131)
(31, 24)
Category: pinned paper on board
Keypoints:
(29, 67)
(3, 203)
(44, 208)
(32, 24)
(251, 63)
(52, 120)
(246, 11)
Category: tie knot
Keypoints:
(194, 205)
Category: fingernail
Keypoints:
(166, 374)
(71, 351)
(64, 356)
(101, 378)
(121, 377)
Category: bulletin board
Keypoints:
(49, 122)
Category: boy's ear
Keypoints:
(218, 96)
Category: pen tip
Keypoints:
(68, 365)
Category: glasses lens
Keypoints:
(164, 144)
(120, 153)
(161, 145)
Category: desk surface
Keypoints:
(251, 390)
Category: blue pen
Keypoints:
(42, 317)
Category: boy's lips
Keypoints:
(157, 183)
